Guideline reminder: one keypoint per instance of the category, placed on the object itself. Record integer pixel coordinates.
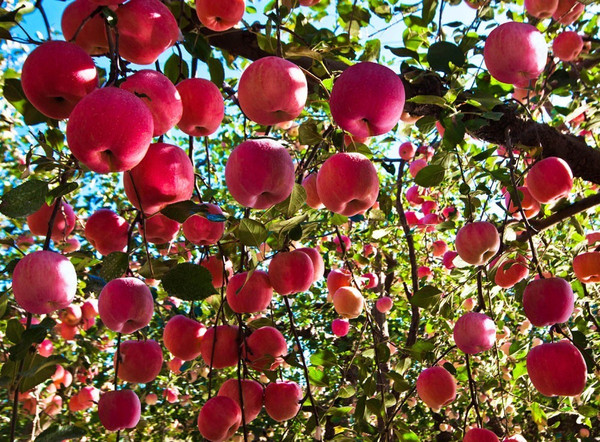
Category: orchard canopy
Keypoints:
(353, 220)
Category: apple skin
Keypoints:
(64, 222)
(480, 435)
(265, 349)
(436, 387)
(203, 107)
(119, 410)
(541, 8)
(567, 45)
(367, 99)
(183, 337)
(160, 229)
(531, 207)
(477, 242)
(201, 231)
(347, 183)
(220, 15)
(568, 11)
(548, 301)
(348, 302)
(416, 166)
(106, 231)
(335, 279)
(259, 173)
(506, 277)
(282, 400)
(312, 196)
(474, 332)
(340, 327)
(92, 36)
(549, 180)
(125, 305)
(115, 150)
(214, 265)
(165, 176)
(586, 267)
(219, 418)
(515, 53)
(557, 369)
(272, 90)
(384, 304)
(44, 282)
(317, 261)
(147, 28)
(407, 151)
(291, 272)
(439, 248)
(252, 392)
(160, 95)
(249, 295)
(56, 76)
(140, 361)
(227, 346)
(413, 196)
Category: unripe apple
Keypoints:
(115, 150)
(384, 304)
(511, 271)
(317, 261)
(548, 301)
(541, 8)
(44, 282)
(215, 265)
(515, 53)
(249, 294)
(567, 45)
(219, 418)
(530, 205)
(106, 231)
(265, 348)
(226, 342)
(125, 305)
(557, 369)
(587, 267)
(568, 11)
(119, 410)
(160, 95)
(91, 37)
(159, 229)
(56, 76)
(367, 99)
(312, 195)
(203, 107)
(480, 435)
(200, 230)
(340, 327)
(436, 387)
(348, 184)
(474, 332)
(407, 151)
(549, 180)
(282, 400)
(64, 222)
(337, 278)
(220, 15)
(348, 302)
(272, 90)
(259, 173)
(139, 361)
(165, 176)
(252, 395)
(291, 272)
(477, 242)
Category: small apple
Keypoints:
(348, 302)
(567, 45)
(474, 332)
(106, 231)
(220, 15)
(119, 410)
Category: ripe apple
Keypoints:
(568, 11)
(414, 196)
(309, 3)
(119, 410)
(549, 180)
(370, 280)
(510, 271)
(340, 327)
(567, 45)
(165, 176)
(219, 418)
(91, 37)
(514, 438)
(530, 205)
(480, 435)
(160, 95)
(252, 393)
(45, 348)
(436, 387)
(448, 259)
(407, 151)
(291, 272)
(416, 166)
(439, 248)
(265, 348)
(64, 222)
(317, 261)
(557, 369)
(541, 8)
(85, 399)
(160, 229)
(474, 332)
(259, 173)
(348, 302)
(44, 282)
(249, 294)
(106, 231)
(348, 184)
(203, 107)
(201, 231)
(226, 343)
(272, 90)
(345, 242)
(183, 337)
(71, 315)
(337, 278)
(125, 305)
(587, 267)
(115, 150)
(367, 99)
(477, 242)
(220, 15)
(384, 304)
(214, 264)
(139, 361)
(515, 53)
(282, 400)
(548, 301)
(312, 196)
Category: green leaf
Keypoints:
(428, 99)
(24, 199)
(293, 202)
(190, 282)
(404, 52)
(372, 51)
(485, 154)
(217, 73)
(442, 53)
(197, 46)
(62, 190)
(346, 391)
(308, 133)
(41, 370)
(318, 377)
(430, 176)
(184, 209)
(14, 330)
(426, 297)
(13, 92)
(251, 232)
(176, 69)
(324, 358)
(58, 434)
(114, 265)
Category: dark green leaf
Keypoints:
(426, 297)
(324, 358)
(428, 99)
(442, 53)
(14, 330)
(308, 133)
(176, 69)
(403, 52)
(183, 210)
(251, 232)
(430, 176)
(197, 46)
(190, 282)
(114, 265)
(293, 202)
(25, 199)
(217, 74)
(318, 377)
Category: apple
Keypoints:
(411, 218)
(557, 369)
(548, 301)
(448, 259)
(252, 393)
(272, 90)
(424, 272)
(139, 361)
(510, 271)
(515, 53)
(218, 270)
(317, 261)
(587, 267)
(416, 166)
(312, 195)
(71, 315)
(477, 242)
(159, 229)
(165, 176)
(64, 221)
(44, 282)
(160, 95)
(384, 304)
(201, 231)
(119, 410)
(474, 332)
(151, 399)
(347, 183)
(219, 418)
(337, 278)
(348, 302)
(370, 280)
(414, 196)
(56, 76)
(514, 438)
(541, 8)
(226, 342)
(282, 400)
(291, 272)
(183, 337)
(340, 327)
(567, 45)
(125, 305)
(203, 107)
(345, 242)
(480, 435)
(530, 205)
(439, 248)
(367, 99)
(309, 3)
(220, 15)
(45, 348)
(249, 294)
(85, 399)
(568, 11)
(265, 349)
(106, 231)
(436, 387)
(91, 37)
(122, 146)
(259, 173)
(407, 151)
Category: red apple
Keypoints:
(249, 294)
(436, 387)
(282, 400)
(514, 438)
(370, 280)
(474, 332)
(226, 345)
(384, 304)
(541, 8)
(348, 302)
(220, 15)
(106, 231)
(480, 435)
(416, 166)
(215, 265)
(340, 327)
(345, 242)
(317, 261)
(119, 410)
(252, 393)
(407, 151)
(337, 278)
(530, 205)
(414, 196)
(125, 305)
(448, 259)
(291, 272)
(183, 337)
(203, 107)
(64, 222)
(91, 37)
(265, 348)
(139, 361)
(439, 248)
(510, 271)
(548, 301)
(219, 418)
(568, 11)
(567, 45)
(312, 196)
(160, 229)
(71, 315)
(587, 267)
(477, 242)
(201, 231)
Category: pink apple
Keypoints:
(218, 270)
(348, 302)
(119, 410)
(200, 230)
(337, 278)
(439, 248)
(557, 369)
(477, 242)
(474, 332)
(567, 45)
(448, 259)
(436, 387)
(160, 229)
(384, 304)
(220, 15)
(407, 151)
(249, 294)
(219, 418)
(139, 361)
(345, 242)
(586, 267)
(203, 107)
(265, 348)
(414, 196)
(125, 305)
(183, 336)
(226, 343)
(317, 261)
(367, 99)
(424, 272)
(510, 271)
(416, 166)
(291, 272)
(71, 315)
(568, 11)
(252, 395)
(480, 435)
(91, 37)
(541, 8)
(340, 327)
(312, 196)
(548, 301)
(151, 399)
(46, 348)
(530, 206)
(106, 231)
(370, 280)
(514, 438)
(64, 222)
(282, 400)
